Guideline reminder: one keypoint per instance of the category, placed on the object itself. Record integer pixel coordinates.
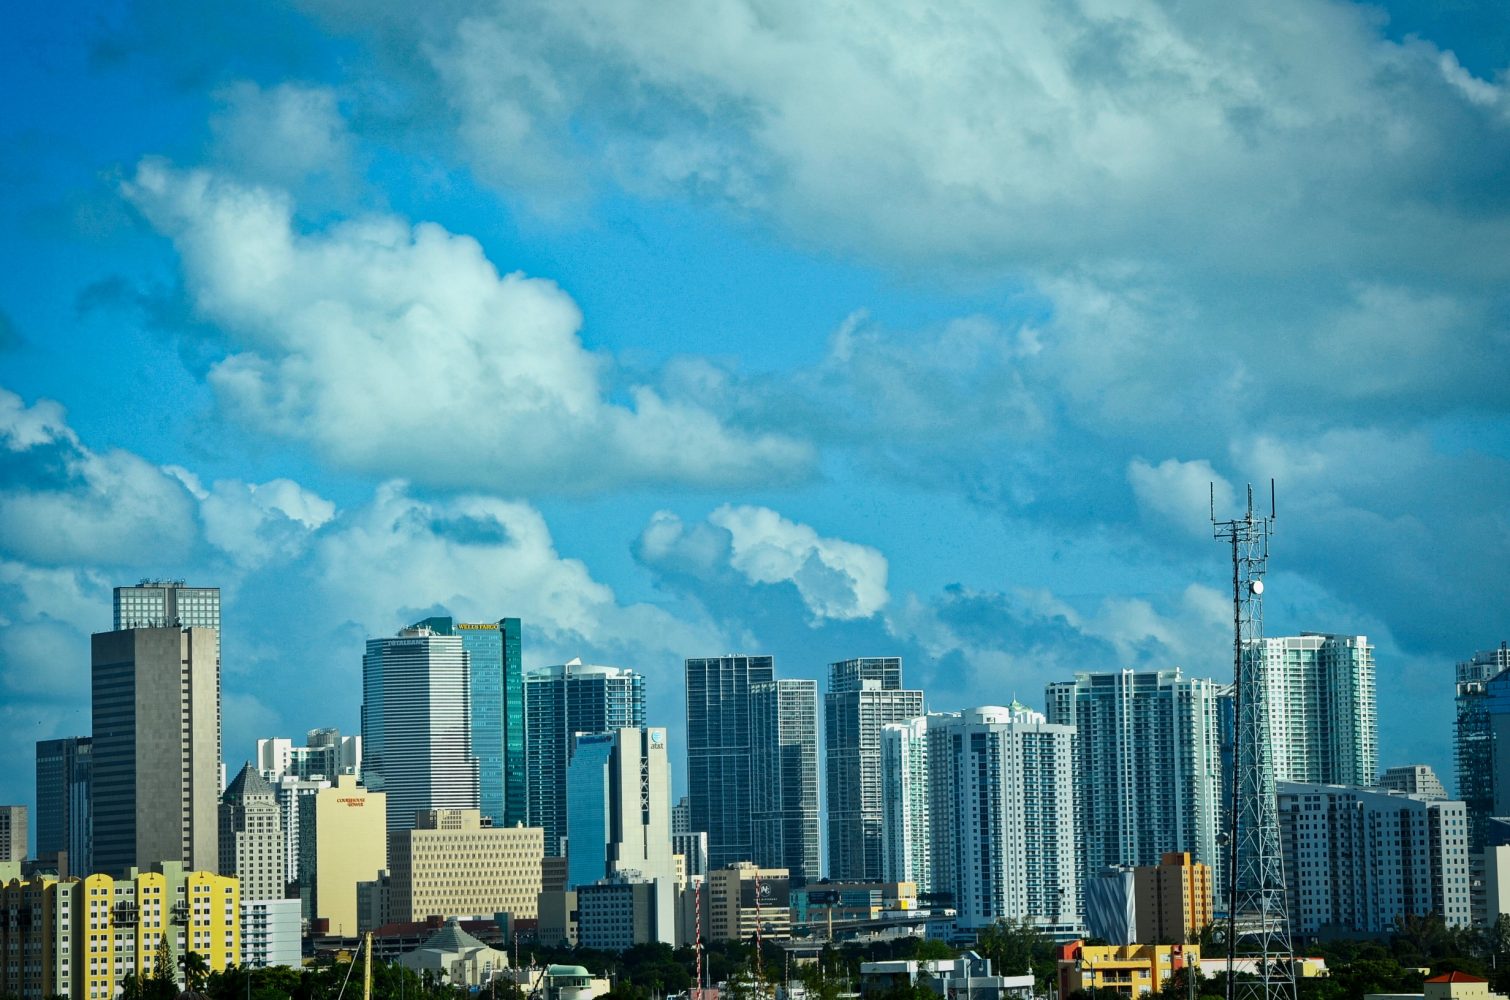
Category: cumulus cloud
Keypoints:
(257, 522)
(400, 557)
(62, 503)
(1181, 493)
(391, 347)
(837, 580)
(1280, 137)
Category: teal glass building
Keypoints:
(496, 679)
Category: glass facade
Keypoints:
(718, 752)
(587, 797)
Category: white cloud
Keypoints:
(398, 348)
(62, 503)
(283, 134)
(1182, 493)
(1278, 135)
(837, 580)
(398, 557)
(254, 523)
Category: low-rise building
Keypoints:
(453, 956)
(968, 976)
(1132, 970)
(824, 906)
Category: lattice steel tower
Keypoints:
(1258, 921)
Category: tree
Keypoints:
(196, 972)
(1018, 946)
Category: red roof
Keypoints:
(1456, 977)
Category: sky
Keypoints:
(817, 330)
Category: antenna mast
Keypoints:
(1258, 922)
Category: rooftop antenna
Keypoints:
(1258, 923)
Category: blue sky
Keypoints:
(812, 330)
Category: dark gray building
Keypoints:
(863, 695)
(784, 763)
(718, 752)
(156, 747)
(65, 770)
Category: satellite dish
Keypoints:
(1257, 586)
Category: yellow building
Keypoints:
(450, 865)
(343, 840)
(81, 938)
(741, 898)
(1133, 970)
(1173, 899)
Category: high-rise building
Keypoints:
(864, 695)
(82, 938)
(1173, 899)
(681, 816)
(561, 702)
(618, 820)
(718, 751)
(251, 837)
(1416, 779)
(784, 768)
(1148, 748)
(156, 781)
(1473, 747)
(13, 833)
(342, 841)
(289, 790)
(325, 754)
(906, 829)
(450, 865)
(1319, 708)
(496, 675)
(1002, 783)
(416, 724)
(1360, 859)
(65, 772)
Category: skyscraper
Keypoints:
(251, 836)
(1473, 749)
(560, 702)
(1321, 717)
(1148, 764)
(496, 675)
(65, 773)
(1361, 859)
(155, 696)
(416, 724)
(784, 767)
(906, 829)
(718, 752)
(1002, 787)
(863, 696)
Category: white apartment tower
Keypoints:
(1003, 802)
(1321, 717)
(416, 725)
(906, 831)
(1359, 859)
(1148, 764)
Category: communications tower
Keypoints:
(1260, 959)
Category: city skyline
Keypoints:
(832, 333)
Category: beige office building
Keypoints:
(342, 841)
(450, 865)
(742, 897)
